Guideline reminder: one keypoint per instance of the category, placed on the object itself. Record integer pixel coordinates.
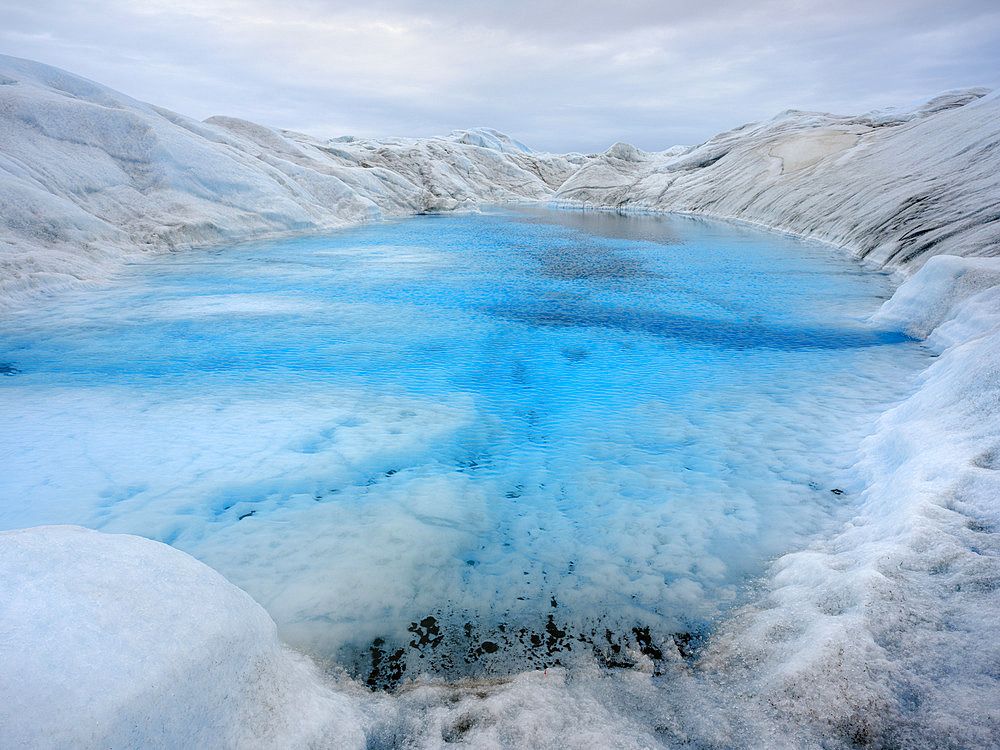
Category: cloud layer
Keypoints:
(558, 76)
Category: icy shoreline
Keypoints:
(90, 178)
(880, 636)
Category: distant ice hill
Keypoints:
(89, 176)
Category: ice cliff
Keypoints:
(882, 635)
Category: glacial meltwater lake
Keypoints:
(467, 444)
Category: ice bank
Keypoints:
(884, 634)
(894, 187)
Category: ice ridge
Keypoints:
(894, 187)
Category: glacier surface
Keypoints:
(881, 635)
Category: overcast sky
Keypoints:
(557, 75)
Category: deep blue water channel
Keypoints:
(466, 443)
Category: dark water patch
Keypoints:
(727, 334)
(576, 354)
(7, 368)
(589, 262)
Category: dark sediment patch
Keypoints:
(456, 648)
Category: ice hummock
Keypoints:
(118, 641)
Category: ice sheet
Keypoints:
(880, 633)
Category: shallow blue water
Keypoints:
(518, 429)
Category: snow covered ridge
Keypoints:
(895, 187)
(89, 177)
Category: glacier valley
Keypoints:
(621, 477)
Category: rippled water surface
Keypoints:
(464, 444)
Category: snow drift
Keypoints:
(880, 636)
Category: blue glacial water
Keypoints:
(464, 444)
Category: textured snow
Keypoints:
(882, 635)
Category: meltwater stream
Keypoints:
(462, 445)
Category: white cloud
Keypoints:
(557, 75)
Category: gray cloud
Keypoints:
(559, 76)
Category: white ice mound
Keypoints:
(624, 152)
(118, 641)
(896, 188)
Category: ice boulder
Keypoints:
(947, 289)
(118, 641)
